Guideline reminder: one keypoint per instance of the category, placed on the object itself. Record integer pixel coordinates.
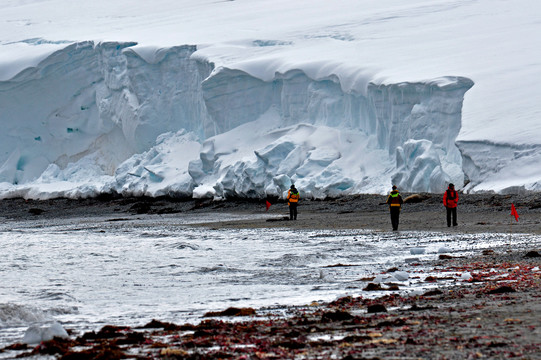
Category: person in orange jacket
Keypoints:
(394, 200)
(450, 201)
(292, 200)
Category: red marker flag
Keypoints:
(268, 204)
(514, 212)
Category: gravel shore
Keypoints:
(477, 213)
(494, 313)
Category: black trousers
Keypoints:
(292, 211)
(395, 215)
(451, 213)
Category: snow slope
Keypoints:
(245, 97)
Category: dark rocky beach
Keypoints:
(477, 213)
(495, 314)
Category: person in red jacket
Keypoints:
(450, 201)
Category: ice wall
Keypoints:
(414, 123)
(421, 122)
(503, 168)
(99, 99)
(161, 121)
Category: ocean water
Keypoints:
(89, 272)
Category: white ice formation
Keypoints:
(417, 250)
(36, 333)
(103, 118)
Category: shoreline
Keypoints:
(460, 317)
(493, 313)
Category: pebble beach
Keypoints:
(491, 313)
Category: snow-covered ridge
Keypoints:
(86, 119)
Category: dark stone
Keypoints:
(497, 344)
(107, 332)
(292, 334)
(532, 254)
(373, 287)
(54, 346)
(100, 352)
(351, 357)
(433, 292)
(377, 308)
(336, 316)
(395, 322)
(292, 344)
(410, 341)
(416, 307)
(155, 324)
(202, 333)
(232, 311)
(502, 290)
(132, 338)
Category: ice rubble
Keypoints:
(36, 334)
(165, 122)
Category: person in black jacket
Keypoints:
(395, 204)
(292, 200)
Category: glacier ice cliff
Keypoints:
(502, 168)
(95, 98)
(115, 117)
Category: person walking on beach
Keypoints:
(292, 200)
(450, 201)
(395, 204)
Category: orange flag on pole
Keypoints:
(268, 204)
(514, 212)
